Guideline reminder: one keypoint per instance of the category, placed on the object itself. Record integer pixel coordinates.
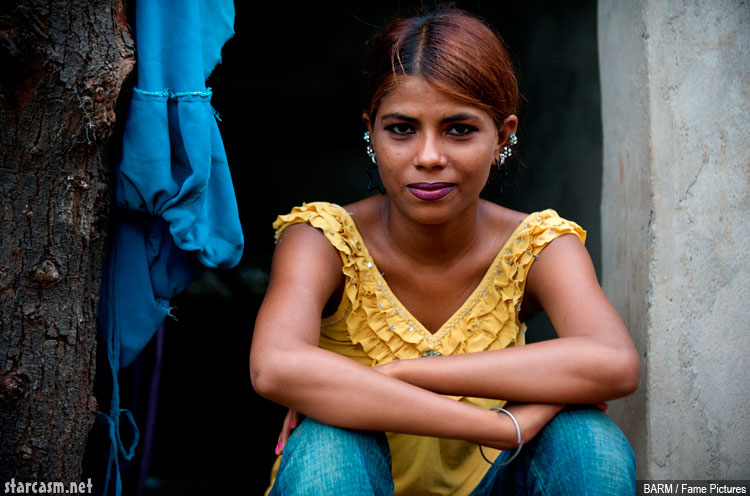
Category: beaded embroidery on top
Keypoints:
(371, 317)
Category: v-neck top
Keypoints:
(372, 327)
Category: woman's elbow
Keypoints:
(628, 373)
(265, 374)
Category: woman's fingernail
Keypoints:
(291, 424)
(278, 447)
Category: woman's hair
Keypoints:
(450, 49)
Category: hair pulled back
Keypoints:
(452, 50)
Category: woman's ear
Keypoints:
(510, 126)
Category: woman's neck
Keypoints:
(431, 244)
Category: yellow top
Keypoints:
(372, 327)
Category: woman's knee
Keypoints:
(584, 449)
(322, 459)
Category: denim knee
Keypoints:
(582, 451)
(579, 452)
(322, 459)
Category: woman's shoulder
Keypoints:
(524, 236)
(326, 228)
(309, 241)
(363, 210)
(506, 220)
(504, 216)
(329, 218)
(307, 211)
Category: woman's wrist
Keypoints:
(501, 431)
(529, 417)
(519, 439)
(532, 417)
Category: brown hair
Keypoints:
(452, 50)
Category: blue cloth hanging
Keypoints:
(176, 208)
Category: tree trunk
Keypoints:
(62, 64)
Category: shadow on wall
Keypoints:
(287, 93)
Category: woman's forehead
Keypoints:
(414, 94)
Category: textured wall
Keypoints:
(676, 107)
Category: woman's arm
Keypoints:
(288, 367)
(593, 360)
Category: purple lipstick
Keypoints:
(430, 191)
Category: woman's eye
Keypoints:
(460, 130)
(400, 129)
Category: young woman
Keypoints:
(423, 293)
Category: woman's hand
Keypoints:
(290, 422)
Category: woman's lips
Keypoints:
(430, 191)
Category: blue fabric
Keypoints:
(580, 452)
(322, 459)
(176, 208)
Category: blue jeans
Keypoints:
(580, 452)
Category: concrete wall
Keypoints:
(675, 80)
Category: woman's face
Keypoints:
(434, 153)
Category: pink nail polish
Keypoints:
(291, 424)
(278, 446)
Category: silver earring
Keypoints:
(369, 150)
(507, 150)
(371, 184)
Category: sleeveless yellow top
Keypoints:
(372, 327)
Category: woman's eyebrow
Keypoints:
(399, 116)
(461, 116)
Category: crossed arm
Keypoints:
(593, 361)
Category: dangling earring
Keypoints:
(369, 150)
(507, 150)
(370, 167)
(504, 155)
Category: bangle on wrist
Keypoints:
(520, 441)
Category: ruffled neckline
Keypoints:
(479, 291)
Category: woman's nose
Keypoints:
(429, 154)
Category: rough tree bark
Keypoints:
(62, 64)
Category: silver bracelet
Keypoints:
(520, 441)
